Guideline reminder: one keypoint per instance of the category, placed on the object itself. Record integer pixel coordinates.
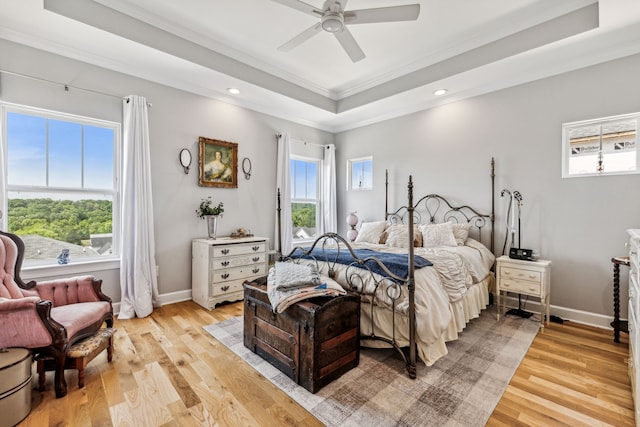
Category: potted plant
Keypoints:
(207, 210)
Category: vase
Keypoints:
(212, 225)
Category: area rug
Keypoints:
(460, 389)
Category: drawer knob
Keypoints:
(225, 276)
(532, 288)
(225, 263)
(255, 270)
(225, 288)
(225, 251)
(532, 276)
(507, 272)
(255, 259)
(255, 248)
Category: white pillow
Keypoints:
(370, 232)
(438, 235)
(397, 236)
(461, 232)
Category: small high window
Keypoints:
(605, 146)
(360, 174)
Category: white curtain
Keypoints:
(330, 220)
(138, 280)
(283, 179)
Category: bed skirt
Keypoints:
(464, 310)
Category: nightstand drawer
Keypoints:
(520, 286)
(519, 274)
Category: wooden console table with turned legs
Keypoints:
(617, 324)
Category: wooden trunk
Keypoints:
(313, 342)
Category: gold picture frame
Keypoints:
(218, 163)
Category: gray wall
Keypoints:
(176, 120)
(579, 223)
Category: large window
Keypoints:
(60, 185)
(305, 197)
(604, 146)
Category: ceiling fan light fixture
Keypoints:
(332, 22)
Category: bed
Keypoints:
(422, 273)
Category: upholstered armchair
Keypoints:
(49, 316)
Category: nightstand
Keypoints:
(524, 278)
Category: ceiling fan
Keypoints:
(334, 19)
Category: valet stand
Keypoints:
(617, 324)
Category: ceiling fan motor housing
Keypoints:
(332, 22)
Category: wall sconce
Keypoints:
(185, 159)
(352, 220)
(246, 168)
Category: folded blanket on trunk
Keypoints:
(281, 298)
(289, 275)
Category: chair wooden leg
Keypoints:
(60, 383)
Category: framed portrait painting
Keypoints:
(218, 163)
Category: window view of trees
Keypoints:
(65, 220)
(303, 214)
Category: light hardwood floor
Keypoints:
(167, 371)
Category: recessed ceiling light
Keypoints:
(440, 92)
(233, 90)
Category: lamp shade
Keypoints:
(352, 219)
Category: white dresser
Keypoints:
(524, 278)
(634, 326)
(220, 267)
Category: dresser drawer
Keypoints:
(227, 287)
(240, 249)
(507, 273)
(238, 261)
(520, 286)
(243, 272)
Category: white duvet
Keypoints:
(438, 288)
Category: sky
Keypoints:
(79, 156)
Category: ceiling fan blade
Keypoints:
(301, 38)
(301, 6)
(350, 45)
(409, 12)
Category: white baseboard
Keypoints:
(169, 298)
(578, 316)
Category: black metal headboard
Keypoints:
(435, 209)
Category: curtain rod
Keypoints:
(279, 134)
(64, 85)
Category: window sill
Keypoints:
(73, 268)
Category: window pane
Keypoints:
(361, 174)
(49, 223)
(65, 154)
(26, 149)
(304, 220)
(304, 179)
(98, 157)
(311, 187)
(601, 146)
